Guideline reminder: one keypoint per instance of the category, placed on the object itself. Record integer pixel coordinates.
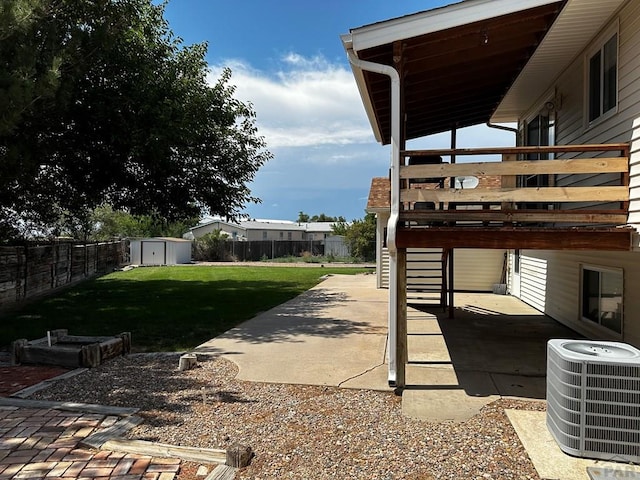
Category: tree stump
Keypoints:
(187, 361)
(238, 456)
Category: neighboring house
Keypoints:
(317, 230)
(567, 73)
(254, 230)
(232, 230)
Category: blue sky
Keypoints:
(288, 61)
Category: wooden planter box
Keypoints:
(64, 350)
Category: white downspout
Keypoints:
(395, 200)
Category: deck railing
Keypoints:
(429, 193)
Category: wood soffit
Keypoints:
(456, 77)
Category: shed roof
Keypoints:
(263, 225)
(162, 239)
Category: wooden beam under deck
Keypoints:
(608, 217)
(610, 239)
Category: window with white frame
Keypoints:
(602, 296)
(264, 235)
(602, 77)
(288, 235)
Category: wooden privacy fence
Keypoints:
(30, 270)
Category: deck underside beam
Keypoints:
(613, 239)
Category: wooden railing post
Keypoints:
(509, 181)
(626, 153)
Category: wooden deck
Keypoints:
(526, 208)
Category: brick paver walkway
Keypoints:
(15, 378)
(45, 443)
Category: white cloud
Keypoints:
(325, 155)
(307, 102)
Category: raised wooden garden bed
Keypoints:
(60, 348)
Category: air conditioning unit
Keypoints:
(593, 398)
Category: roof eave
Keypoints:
(438, 19)
(569, 35)
(347, 43)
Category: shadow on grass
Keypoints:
(174, 315)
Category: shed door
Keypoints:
(153, 253)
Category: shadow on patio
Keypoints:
(494, 345)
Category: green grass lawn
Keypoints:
(164, 308)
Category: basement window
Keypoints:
(602, 79)
(602, 297)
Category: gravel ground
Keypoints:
(297, 431)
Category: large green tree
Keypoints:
(360, 236)
(304, 218)
(108, 224)
(104, 105)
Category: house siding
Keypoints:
(202, 230)
(384, 268)
(562, 289)
(533, 281)
(255, 232)
(474, 270)
(274, 235)
(550, 280)
(624, 126)
(477, 270)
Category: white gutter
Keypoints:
(395, 196)
(439, 19)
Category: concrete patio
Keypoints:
(336, 334)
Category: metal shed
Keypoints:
(160, 251)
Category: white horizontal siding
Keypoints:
(550, 280)
(562, 292)
(474, 269)
(477, 270)
(424, 271)
(533, 281)
(384, 267)
(624, 126)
